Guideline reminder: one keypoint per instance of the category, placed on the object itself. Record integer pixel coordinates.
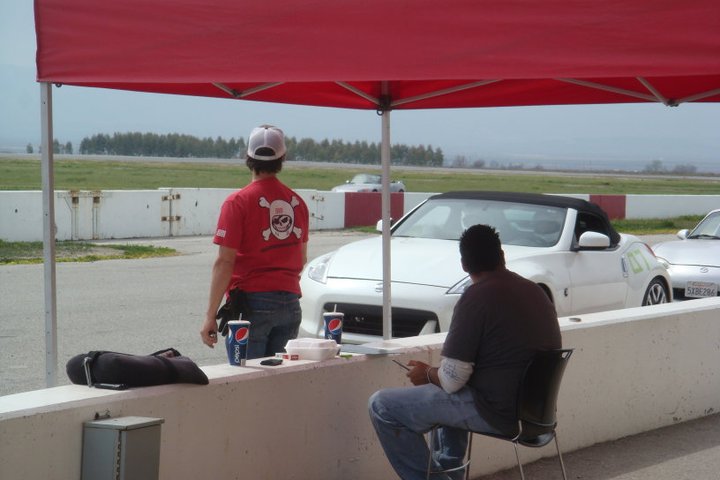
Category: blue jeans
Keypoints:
(274, 319)
(401, 417)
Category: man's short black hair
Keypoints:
(264, 166)
(480, 249)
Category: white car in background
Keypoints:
(365, 182)
(565, 245)
(694, 261)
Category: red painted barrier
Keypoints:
(614, 205)
(365, 208)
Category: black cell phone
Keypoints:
(111, 386)
(273, 362)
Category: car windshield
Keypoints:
(365, 178)
(516, 223)
(709, 227)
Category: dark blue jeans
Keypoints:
(402, 416)
(274, 319)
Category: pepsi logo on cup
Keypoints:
(242, 335)
(335, 326)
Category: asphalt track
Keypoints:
(130, 306)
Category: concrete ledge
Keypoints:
(633, 370)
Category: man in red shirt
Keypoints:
(262, 236)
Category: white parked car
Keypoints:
(365, 182)
(694, 261)
(565, 245)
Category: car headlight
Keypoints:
(460, 287)
(318, 269)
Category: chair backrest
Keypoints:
(537, 398)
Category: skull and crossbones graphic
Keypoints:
(282, 218)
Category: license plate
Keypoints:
(700, 289)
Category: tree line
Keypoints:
(136, 144)
(188, 146)
(657, 167)
(57, 147)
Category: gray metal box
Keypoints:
(124, 448)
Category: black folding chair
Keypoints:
(536, 410)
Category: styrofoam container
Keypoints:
(312, 348)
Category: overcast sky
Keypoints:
(587, 136)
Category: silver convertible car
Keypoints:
(694, 261)
(565, 245)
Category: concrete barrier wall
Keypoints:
(663, 206)
(159, 213)
(632, 371)
(88, 215)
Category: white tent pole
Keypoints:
(386, 220)
(48, 188)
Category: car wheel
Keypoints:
(656, 293)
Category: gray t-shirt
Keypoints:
(498, 324)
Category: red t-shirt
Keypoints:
(267, 223)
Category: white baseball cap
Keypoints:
(266, 143)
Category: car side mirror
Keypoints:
(593, 240)
(379, 225)
(683, 234)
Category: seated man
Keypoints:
(499, 323)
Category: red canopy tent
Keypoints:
(456, 53)
(378, 54)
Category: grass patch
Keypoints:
(656, 226)
(365, 229)
(76, 174)
(16, 253)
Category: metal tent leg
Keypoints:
(48, 188)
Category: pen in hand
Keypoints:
(402, 365)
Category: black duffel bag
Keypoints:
(118, 371)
